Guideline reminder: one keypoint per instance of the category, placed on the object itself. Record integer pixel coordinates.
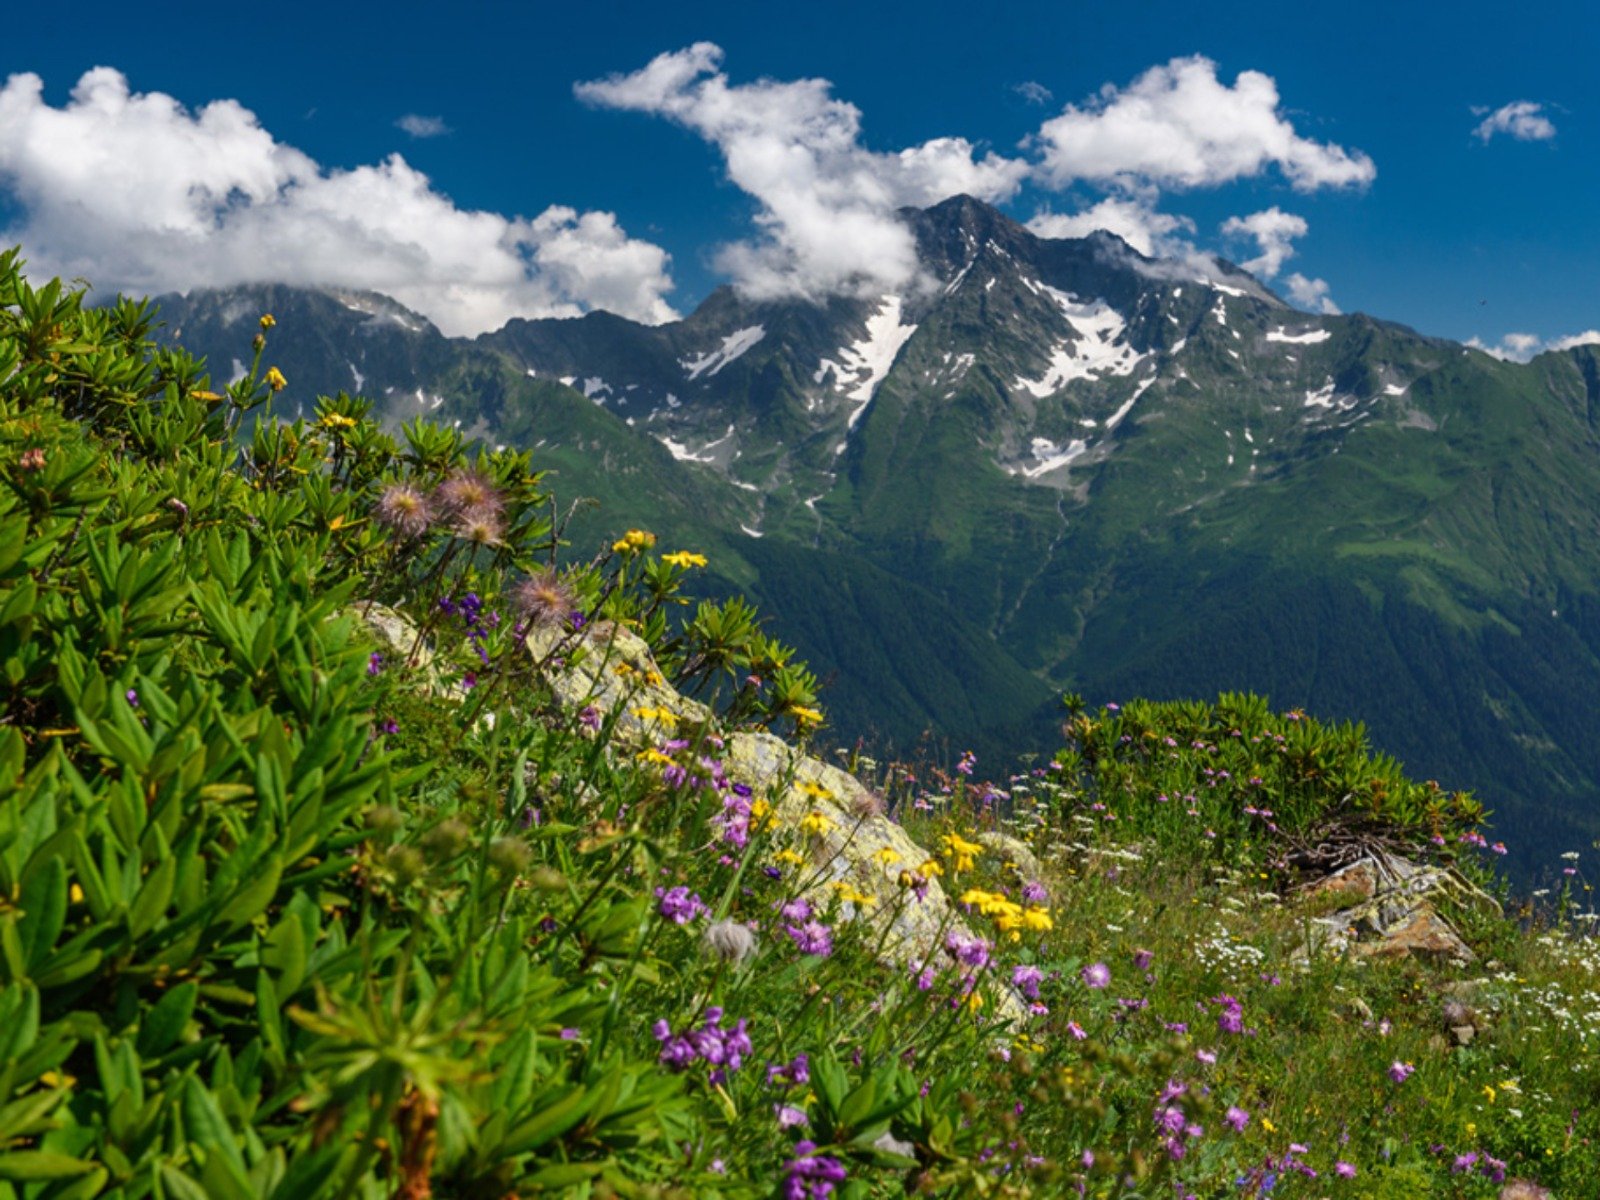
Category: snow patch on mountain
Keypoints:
(1309, 338)
(1099, 347)
(861, 367)
(1322, 397)
(593, 388)
(733, 346)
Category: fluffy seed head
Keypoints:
(402, 508)
(480, 527)
(543, 600)
(467, 493)
(729, 941)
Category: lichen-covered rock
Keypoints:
(1007, 849)
(1387, 910)
(612, 670)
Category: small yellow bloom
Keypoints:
(818, 823)
(805, 716)
(849, 894)
(790, 857)
(333, 420)
(1038, 919)
(886, 857)
(684, 558)
(975, 1001)
(75, 894)
(664, 715)
(961, 851)
(1268, 1126)
(268, 321)
(930, 868)
(275, 379)
(652, 755)
(633, 542)
(815, 790)
(1488, 1090)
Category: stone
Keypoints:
(1008, 849)
(1389, 913)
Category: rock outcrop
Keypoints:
(1386, 906)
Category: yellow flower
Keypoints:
(652, 755)
(816, 823)
(75, 894)
(930, 868)
(849, 894)
(267, 321)
(1268, 1126)
(633, 541)
(1488, 1090)
(335, 420)
(684, 558)
(885, 857)
(1038, 919)
(665, 715)
(789, 856)
(962, 851)
(975, 1001)
(805, 716)
(275, 379)
(815, 790)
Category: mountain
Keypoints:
(1087, 469)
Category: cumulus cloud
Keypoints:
(138, 193)
(1520, 347)
(827, 205)
(1033, 92)
(1521, 119)
(1274, 232)
(1179, 126)
(1134, 220)
(422, 127)
(1311, 294)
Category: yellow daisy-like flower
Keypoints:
(275, 379)
(806, 716)
(652, 755)
(633, 542)
(887, 856)
(961, 851)
(815, 790)
(818, 823)
(684, 558)
(1038, 920)
(849, 894)
(335, 420)
(268, 321)
(664, 715)
(790, 857)
(1488, 1091)
(930, 868)
(1268, 1126)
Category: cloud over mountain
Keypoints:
(826, 203)
(137, 192)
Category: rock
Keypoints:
(1390, 915)
(1358, 881)
(1013, 850)
(1463, 1034)
(611, 669)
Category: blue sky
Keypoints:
(641, 195)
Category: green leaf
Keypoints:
(205, 1126)
(44, 905)
(31, 1166)
(165, 1022)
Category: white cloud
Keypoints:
(1274, 232)
(422, 127)
(1153, 234)
(1033, 92)
(1520, 347)
(135, 192)
(828, 205)
(1311, 294)
(1179, 126)
(1521, 119)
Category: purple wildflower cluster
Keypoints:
(679, 905)
(1231, 1017)
(1176, 1128)
(795, 1073)
(722, 1049)
(474, 620)
(1487, 1165)
(810, 1176)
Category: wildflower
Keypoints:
(1400, 1071)
(275, 379)
(1142, 959)
(684, 558)
(32, 459)
(963, 852)
(971, 952)
(468, 492)
(789, 1117)
(1076, 1030)
(1037, 920)
(851, 895)
(886, 856)
(633, 542)
(267, 321)
(816, 823)
(402, 508)
(729, 941)
(679, 905)
(798, 909)
(1026, 979)
(132, 697)
(1096, 976)
(813, 938)
(810, 1176)
(804, 716)
(374, 663)
(543, 600)
(480, 527)
(1344, 1170)
(1035, 893)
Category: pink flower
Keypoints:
(1096, 975)
(1400, 1071)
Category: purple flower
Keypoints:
(1142, 959)
(1096, 975)
(1236, 1118)
(811, 938)
(679, 905)
(971, 952)
(1344, 1170)
(1400, 1071)
(790, 1117)
(1027, 980)
(796, 910)
(132, 697)
(374, 663)
(810, 1176)
(1034, 892)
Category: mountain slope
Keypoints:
(1094, 470)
